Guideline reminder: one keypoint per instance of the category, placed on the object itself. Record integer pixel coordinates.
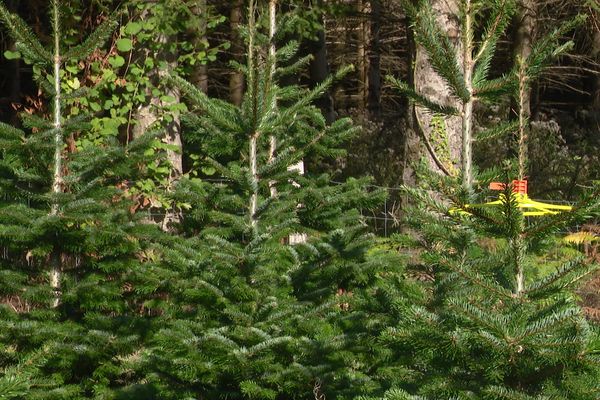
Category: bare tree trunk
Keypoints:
(467, 115)
(596, 55)
(236, 81)
(199, 75)
(147, 117)
(253, 155)
(413, 150)
(253, 140)
(523, 38)
(441, 134)
(319, 71)
(374, 76)
(363, 37)
(15, 82)
(523, 42)
(272, 52)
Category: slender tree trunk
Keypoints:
(467, 115)
(199, 75)
(441, 135)
(253, 139)
(413, 151)
(374, 76)
(524, 96)
(319, 71)
(596, 55)
(362, 62)
(57, 180)
(146, 117)
(236, 80)
(523, 41)
(253, 155)
(15, 82)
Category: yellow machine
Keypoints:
(530, 207)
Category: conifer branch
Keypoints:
(439, 48)
(498, 131)
(26, 40)
(429, 104)
(91, 43)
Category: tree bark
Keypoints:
(525, 27)
(374, 76)
(199, 75)
(146, 117)
(413, 150)
(362, 62)
(444, 134)
(236, 80)
(57, 181)
(319, 71)
(272, 58)
(524, 35)
(596, 55)
(15, 83)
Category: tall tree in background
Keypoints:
(162, 49)
(199, 75)
(451, 72)
(595, 23)
(236, 80)
(525, 30)
(374, 54)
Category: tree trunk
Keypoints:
(236, 81)
(525, 26)
(596, 55)
(272, 53)
(374, 76)
(319, 71)
(146, 117)
(199, 75)
(441, 134)
(57, 180)
(363, 77)
(413, 150)
(15, 90)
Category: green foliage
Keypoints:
(64, 216)
(480, 334)
(254, 317)
(492, 17)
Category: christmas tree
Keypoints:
(258, 316)
(492, 327)
(74, 277)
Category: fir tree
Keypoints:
(257, 318)
(491, 328)
(466, 68)
(73, 278)
(487, 333)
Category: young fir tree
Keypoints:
(257, 318)
(492, 328)
(73, 281)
